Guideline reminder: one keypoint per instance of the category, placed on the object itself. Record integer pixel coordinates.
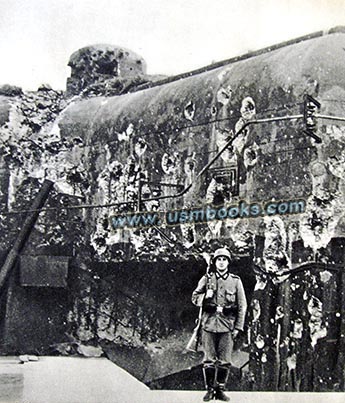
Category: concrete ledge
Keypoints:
(98, 380)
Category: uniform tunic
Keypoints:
(217, 326)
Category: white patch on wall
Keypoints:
(248, 112)
(170, 163)
(259, 342)
(317, 329)
(140, 147)
(325, 205)
(207, 257)
(222, 137)
(137, 241)
(114, 238)
(279, 313)
(17, 175)
(275, 256)
(250, 156)
(188, 234)
(248, 109)
(223, 73)
(127, 134)
(256, 310)
(291, 362)
(224, 95)
(189, 168)
(214, 229)
(319, 222)
(54, 134)
(325, 276)
(189, 111)
(260, 283)
(297, 329)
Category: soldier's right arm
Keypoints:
(199, 293)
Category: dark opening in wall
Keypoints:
(107, 67)
(223, 184)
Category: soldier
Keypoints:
(222, 297)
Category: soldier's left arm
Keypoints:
(242, 306)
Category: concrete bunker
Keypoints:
(101, 151)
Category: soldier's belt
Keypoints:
(226, 310)
(230, 310)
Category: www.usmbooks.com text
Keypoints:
(206, 214)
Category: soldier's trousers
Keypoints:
(217, 347)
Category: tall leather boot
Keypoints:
(209, 372)
(221, 379)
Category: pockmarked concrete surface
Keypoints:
(98, 380)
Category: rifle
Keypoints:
(194, 341)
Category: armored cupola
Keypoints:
(96, 64)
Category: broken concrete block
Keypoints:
(90, 351)
(26, 358)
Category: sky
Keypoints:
(173, 36)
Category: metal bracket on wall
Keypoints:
(142, 182)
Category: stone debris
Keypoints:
(10, 90)
(27, 358)
(90, 351)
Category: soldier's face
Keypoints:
(222, 264)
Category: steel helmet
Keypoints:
(222, 252)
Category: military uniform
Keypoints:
(222, 313)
